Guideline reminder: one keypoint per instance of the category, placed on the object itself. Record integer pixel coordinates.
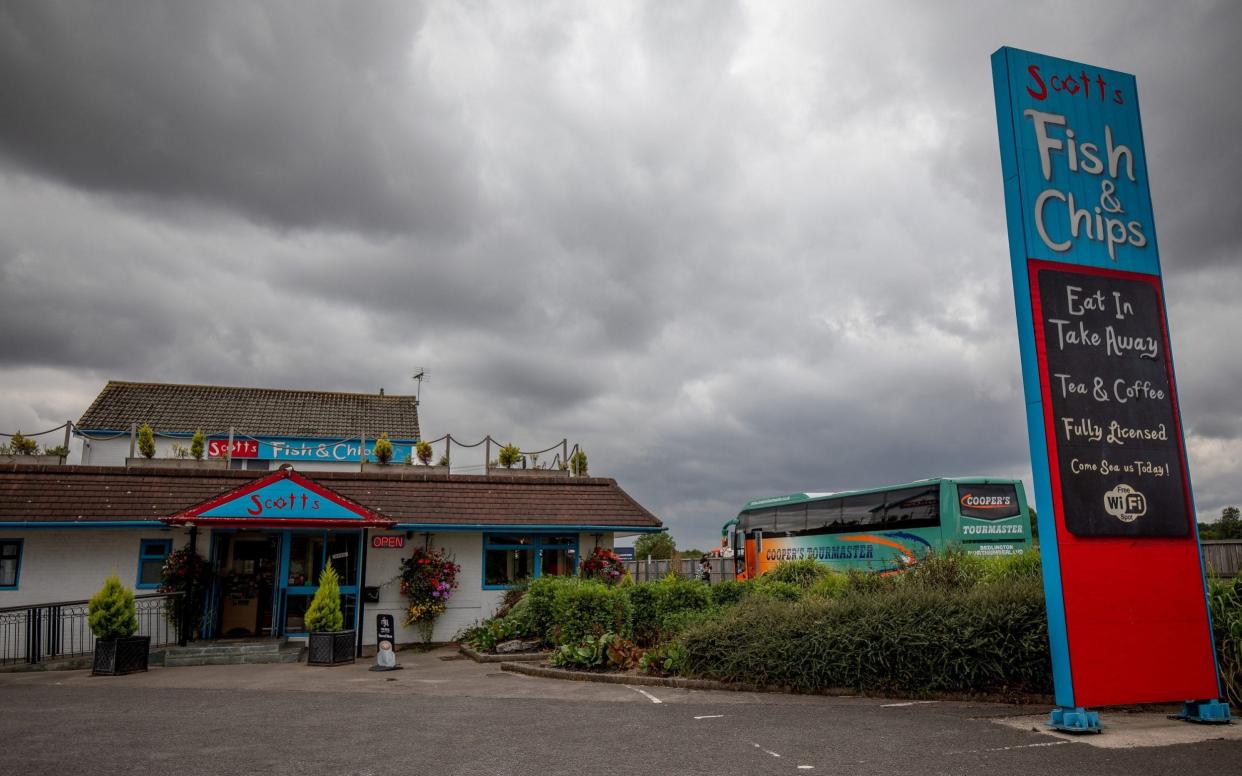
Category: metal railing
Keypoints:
(643, 570)
(37, 632)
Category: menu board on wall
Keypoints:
(1113, 426)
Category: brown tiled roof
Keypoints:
(173, 408)
(95, 493)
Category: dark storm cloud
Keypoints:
(734, 250)
(299, 118)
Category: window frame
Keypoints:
(17, 571)
(538, 543)
(144, 556)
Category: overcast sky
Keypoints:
(734, 250)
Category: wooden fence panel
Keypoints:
(1222, 557)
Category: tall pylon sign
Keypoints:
(1123, 578)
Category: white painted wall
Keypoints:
(469, 603)
(71, 564)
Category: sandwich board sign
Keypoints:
(1127, 605)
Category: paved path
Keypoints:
(457, 717)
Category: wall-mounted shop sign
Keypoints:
(382, 542)
(294, 449)
(1123, 578)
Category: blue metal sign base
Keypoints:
(1211, 712)
(1075, 720)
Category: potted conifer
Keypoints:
(330, 644)
(113, 619)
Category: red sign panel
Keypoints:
(388, 542)
(242, 448)
(1134, 606)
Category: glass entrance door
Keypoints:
(305, 557)
(242, 596)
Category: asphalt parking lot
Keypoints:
(445, 715)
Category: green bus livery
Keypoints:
(884, 530)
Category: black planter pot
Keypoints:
(330, 648)
(120, 656)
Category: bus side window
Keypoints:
(822, 515)
(913, 507)
(859, 512)
(790, 519)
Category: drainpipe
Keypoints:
(362, 594)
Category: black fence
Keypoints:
(39, 632)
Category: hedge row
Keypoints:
(909, 639)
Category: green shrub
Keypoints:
(589, 609)
(678, 594)
(60, 451)
(1226, 605)
(646, 618)
(521, 617)
(146, 441)
(508, 455)
(950, 568)
(578, 463)
(728, 592)
(666, 659)
(908, 639)
(1024, 566)
(673, 624)
(864, 582)
(198, 444)
(383, 449)
(20, 444)
(486, 635)
(802, 573)
(831, 585)
(110, 612)
(587, 652)
(324, 613)
(775, 589)
(540, 594)
(422, 449)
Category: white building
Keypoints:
(266, 535)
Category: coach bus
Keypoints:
(884, 530)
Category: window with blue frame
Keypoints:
(10, 563)
(508, 559)
(151, 556)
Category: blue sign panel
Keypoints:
(284, 500)
(1070, 134)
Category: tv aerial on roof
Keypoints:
(420, 374)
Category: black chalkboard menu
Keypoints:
(1113, 414)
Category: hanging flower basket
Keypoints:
(428, 578)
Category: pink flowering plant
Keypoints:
(428, 578)
(182, 567)
(604, 565)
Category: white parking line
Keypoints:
(710, 716)
(1010, 748)
(907, 703)
(765, 751)
(650, 697)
